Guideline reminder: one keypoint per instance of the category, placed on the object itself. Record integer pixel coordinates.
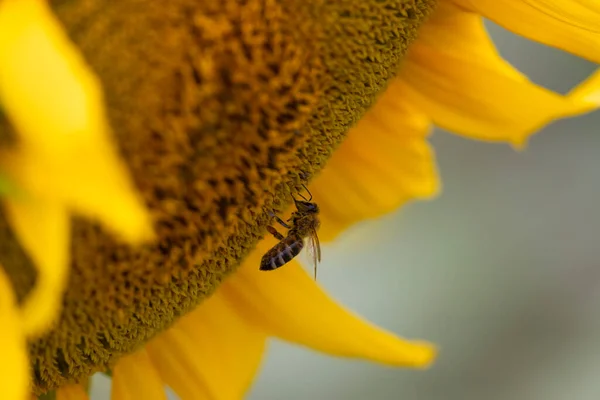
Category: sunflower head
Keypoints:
(221, 111)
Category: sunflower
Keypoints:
(220, 112)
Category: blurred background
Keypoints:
(502, 270)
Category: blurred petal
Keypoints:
(134, 377)
(43, 230)
(384, 162)
(217, 349)
(14, 368)
(570, 25)
(461, 82)
(287, 303)
(71, 392)
(55, 104)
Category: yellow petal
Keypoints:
(571, 25)
(217, 348)
(134, 377)
(14, 367)
(384, 162)
(55, 103)
(71, 392)
(43, 230)
(287, 303)
(174, 368)
(461, 82)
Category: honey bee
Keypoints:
(303, 224)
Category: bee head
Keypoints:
(307, 207)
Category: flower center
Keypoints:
(221, 109)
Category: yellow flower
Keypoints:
(221, 112)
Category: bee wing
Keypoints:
(314, 250)
(317, 244)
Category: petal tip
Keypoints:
(420, 355)
(519, 144)
(140, 230)
(424, 355)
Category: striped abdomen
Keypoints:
(282, 253)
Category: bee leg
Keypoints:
(274, 232)
(286, 226)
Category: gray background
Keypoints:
(502, 270)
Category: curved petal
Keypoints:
(218, 350)
(55, 104)
(570, 25)
(384, 162)
(287, 303)
(71, 392)
(134, 377)
(14, 368)
(43, 229)
(461, 82)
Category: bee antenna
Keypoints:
(303, 197)
(308, 191)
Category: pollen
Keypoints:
(221, 111)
